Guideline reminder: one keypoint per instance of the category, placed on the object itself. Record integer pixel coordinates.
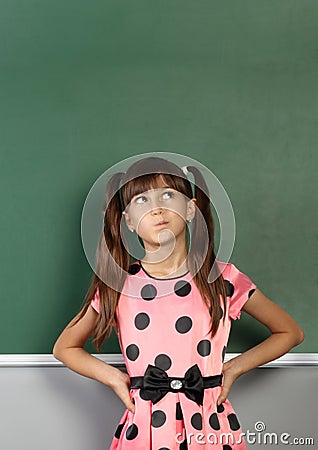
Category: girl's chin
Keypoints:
(166, 235)
(161, 239)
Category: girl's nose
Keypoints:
(157, 210)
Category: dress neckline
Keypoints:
(160, 279)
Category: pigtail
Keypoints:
(115, 243)
(112, 264)
(201, 253)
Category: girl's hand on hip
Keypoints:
(121, 386)
(230, 373)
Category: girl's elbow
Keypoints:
(56, 352)
(299, 335)
(302, 336)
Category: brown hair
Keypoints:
(151, 173)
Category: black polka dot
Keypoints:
(204, 347)
(183, 445)
(220, 408)
(134, 268)
(182, 288)
(132, 352)
(223, 352)
(158, 418)
(164, 448)
(229, 288)
(131, 432)
(163, 362)
(148, 292)
(214, 421)
(133, 400)
(179, 414)
(196, 421)
(183, 324)
(144, 395)
(234, 423)
(227, 447)
(119, 430)
(142, 320)
(251, 292)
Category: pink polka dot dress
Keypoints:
(163, 326)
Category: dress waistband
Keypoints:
(156, 383)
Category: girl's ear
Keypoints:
(128, 221)
(191, 209)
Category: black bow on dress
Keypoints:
(156, 384)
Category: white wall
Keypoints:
(45, 406)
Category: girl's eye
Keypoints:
(136, 200)
(170, 194)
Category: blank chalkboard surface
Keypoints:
(87, 84)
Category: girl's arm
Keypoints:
(69, 349)
(286, 334)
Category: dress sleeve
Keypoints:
(96, 306)
(95, 301)
(241, 288)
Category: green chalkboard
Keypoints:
(87, 84)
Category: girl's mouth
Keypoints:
(161, 223)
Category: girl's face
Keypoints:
(161, 211)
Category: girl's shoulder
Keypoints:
(223, 265)
(229, 270)
(226, 269)
(134, 268)
(239, 285)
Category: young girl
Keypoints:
(173, 324)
